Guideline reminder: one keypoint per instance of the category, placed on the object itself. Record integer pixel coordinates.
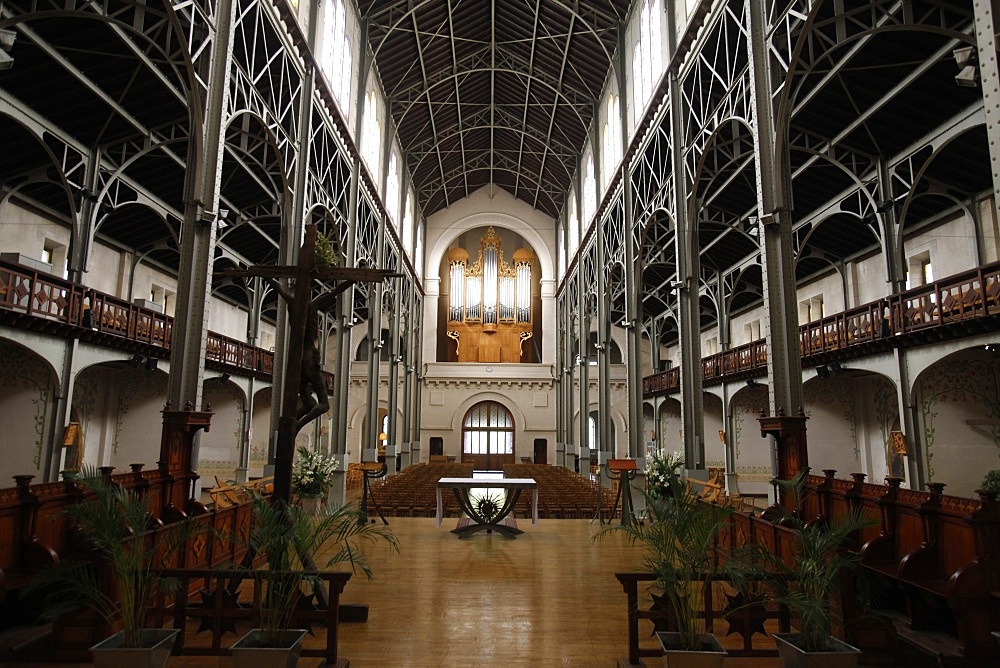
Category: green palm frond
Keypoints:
(679, 536)
(288, 538)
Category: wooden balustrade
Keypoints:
(710, 613)
(937, 555)
(963, 300)
(35, 300)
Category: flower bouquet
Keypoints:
(313, 472)
(660, 471)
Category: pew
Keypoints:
(937, 555)
(941, 556)
(34, 532)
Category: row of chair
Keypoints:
(562, 494)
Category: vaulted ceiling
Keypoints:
(497, 92)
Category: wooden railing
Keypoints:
(709, 612)
(34, 530)
(951, 304)
(35, 300)
(224, 610)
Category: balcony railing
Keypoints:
(36, 300)
(965, 299)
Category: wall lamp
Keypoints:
(830, 370)
(751, 382)
(967, 61)
(138, 360)
(7, 38)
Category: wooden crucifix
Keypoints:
(302, 358)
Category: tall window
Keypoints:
(371, 134)
(407, 231)
(336, 57)
(647, 56)
(589, 189)
(418, 252)
(612, 153)
(574, 225)
(561, 245)
(392, 189)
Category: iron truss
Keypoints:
(873, 138)
(102, 116)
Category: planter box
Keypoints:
(247, 652)
(710, 655)
(154, 653)
(840, 654)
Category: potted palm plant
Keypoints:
(112, 522)
(679, 535)
(807, 583)
(287, 537)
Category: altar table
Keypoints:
(512, 487)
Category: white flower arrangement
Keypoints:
(661, 470)
(313, 472)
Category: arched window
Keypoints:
(647, 56)
(612, 141)
(361, 352)
(561, 245)
(418, 253)
(637, 99)
(407, 231)
(488, 436)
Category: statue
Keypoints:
(311, 374)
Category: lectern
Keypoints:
(625, 469)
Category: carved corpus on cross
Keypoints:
(300, 306)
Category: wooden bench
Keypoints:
(226, 494)
(712, 490)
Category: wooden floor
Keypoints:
(546, 598)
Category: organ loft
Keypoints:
(490, 304)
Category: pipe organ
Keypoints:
(489, 303)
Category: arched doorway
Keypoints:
(488, 436)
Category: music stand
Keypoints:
(370, 471)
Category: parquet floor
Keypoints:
(547, 598)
